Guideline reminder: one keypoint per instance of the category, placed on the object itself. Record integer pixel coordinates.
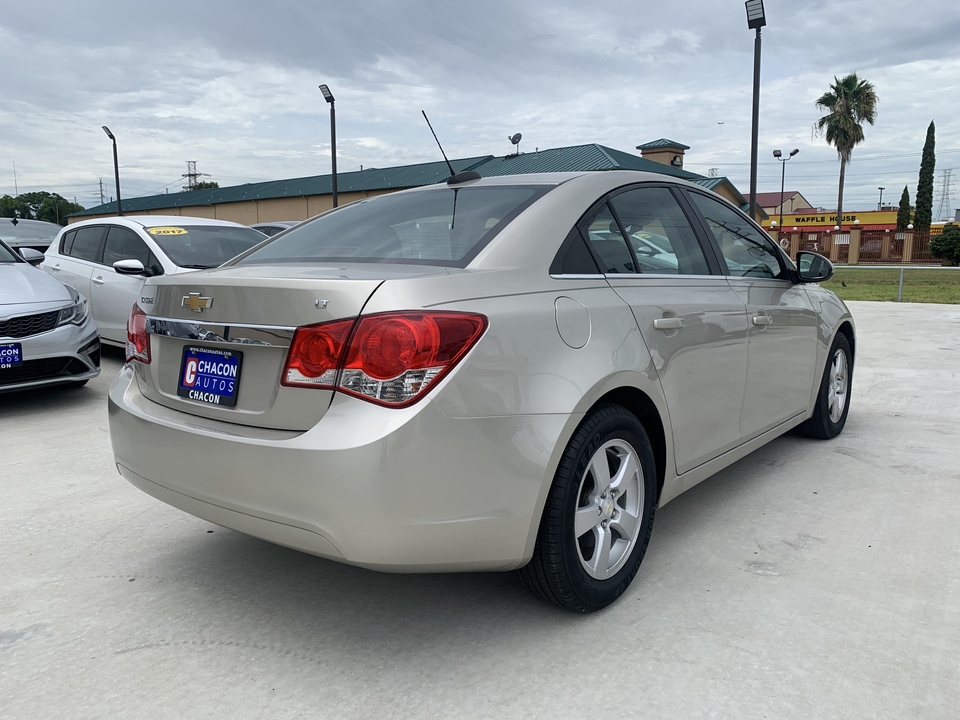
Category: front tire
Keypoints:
(598, 517)
(833, 399)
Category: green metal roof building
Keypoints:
(301, 198)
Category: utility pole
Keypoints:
(102, 196)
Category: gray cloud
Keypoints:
(234, 86)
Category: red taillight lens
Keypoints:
(138, 340)
(385, 347)
(314, 356)
(391, 358)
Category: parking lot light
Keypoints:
(116, 167)
(328, 96)
(783, 169)
(756, 19)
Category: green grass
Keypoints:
(919, 284)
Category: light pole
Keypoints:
(116, 168)
(783, 171)
(880, 204)
(328, 96)
(755, 20)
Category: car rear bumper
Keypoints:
(65, 355)
(408, 490)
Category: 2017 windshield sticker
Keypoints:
(166, 231)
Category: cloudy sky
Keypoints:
(233, 86)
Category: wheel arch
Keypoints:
(645, 410)
(846, 328)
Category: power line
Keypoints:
(858, 159)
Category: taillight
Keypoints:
(390, 359)
(314, 355)
(138, 341)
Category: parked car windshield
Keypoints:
(440, 226)
(203, 246)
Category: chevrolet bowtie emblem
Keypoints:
(195, 302)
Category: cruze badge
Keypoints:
(195, 302)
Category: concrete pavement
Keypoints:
(810, 580)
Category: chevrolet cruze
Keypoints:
(489, 374)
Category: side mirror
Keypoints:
(129, 267)
(34, 257)
(813, 267)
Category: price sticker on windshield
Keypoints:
(166, 231)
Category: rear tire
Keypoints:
(598, 516)
(833, 399)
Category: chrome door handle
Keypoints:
(668, 323)
(762, 319)
(98, 281)
(55, 267)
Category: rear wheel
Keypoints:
(833, 400)
(599, 515)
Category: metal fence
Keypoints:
(877, 247)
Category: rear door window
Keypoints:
(659, 233)
(86, 243)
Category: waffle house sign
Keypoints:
(828, 220)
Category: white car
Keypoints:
(108, 259)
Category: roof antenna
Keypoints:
(454, 178)
(515, 140)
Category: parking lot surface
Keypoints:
(810, 580)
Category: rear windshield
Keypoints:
(440, 226)
(25, 231)
(203, 246)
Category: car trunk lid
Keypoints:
(219, 339)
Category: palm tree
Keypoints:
(849, 103)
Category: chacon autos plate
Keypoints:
(11, 355)
(210, 375)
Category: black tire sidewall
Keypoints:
(617, 424)
(830, 428)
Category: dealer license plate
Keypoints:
(210, 375)
(11, 355)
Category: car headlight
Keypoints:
(76, 313)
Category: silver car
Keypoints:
(47, 337)
(34, 234)
(107, 259)
(480, 375)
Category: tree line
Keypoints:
(42, 205)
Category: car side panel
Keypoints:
(782, 354)
(71, 271)
(112, 295)
(702, 364)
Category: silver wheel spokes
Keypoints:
(837, 391)
(607, 521)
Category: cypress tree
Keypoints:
(903, 212)
(924, 211)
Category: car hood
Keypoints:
(22, 284)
